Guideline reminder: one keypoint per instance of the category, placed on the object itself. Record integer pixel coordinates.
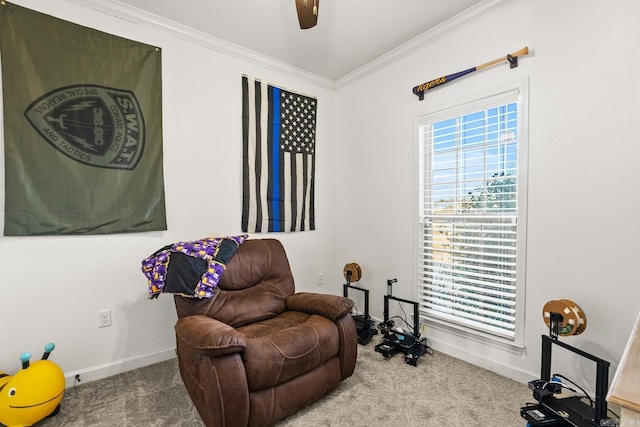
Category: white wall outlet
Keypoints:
(104, 318)
(320, 279)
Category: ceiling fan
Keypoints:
(307, 13)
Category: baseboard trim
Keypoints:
(482, 362)
(510, 372)
(117, 367)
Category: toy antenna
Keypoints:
(47, 350)
(24, 357)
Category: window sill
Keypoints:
(512, 346)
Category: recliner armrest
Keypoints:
(208, 336)
(330, 306)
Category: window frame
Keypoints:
(455, 108)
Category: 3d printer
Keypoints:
(364, 325)
(397, 340)
(564, 317)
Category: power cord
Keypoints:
(586, 395)
(591, 402)
(403, 312)
(404, 321)
(428, 349)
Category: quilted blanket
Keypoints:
(191, 269)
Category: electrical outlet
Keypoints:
(104, 318)
(320, 279)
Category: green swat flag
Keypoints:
(82, 129)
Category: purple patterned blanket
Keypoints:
(191, 269)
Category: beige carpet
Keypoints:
(441, 391)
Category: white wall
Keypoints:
(583, 201)
(582, 206)
(51, 288)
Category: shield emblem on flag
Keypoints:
(95, 125)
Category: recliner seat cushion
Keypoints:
(287, 346)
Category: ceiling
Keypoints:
(349, 34)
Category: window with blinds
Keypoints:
(469, 215)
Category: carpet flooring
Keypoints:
(440, 391)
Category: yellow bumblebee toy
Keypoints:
(33, 393)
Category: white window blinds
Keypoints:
(468, 253)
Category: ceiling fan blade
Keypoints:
(307, 13)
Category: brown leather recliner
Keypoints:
(257, 352)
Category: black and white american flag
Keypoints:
(279, 135)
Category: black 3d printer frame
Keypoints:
(393, 342)
(416, 325)
(569, 410)
(364, 324)
(580, 418)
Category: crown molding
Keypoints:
(137, 16)
(141, 17)
(427, 38)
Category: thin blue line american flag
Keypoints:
(279, 135)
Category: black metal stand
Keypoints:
(364, 324)
(395, 341)
(569, 411)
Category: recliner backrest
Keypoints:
(254, 287)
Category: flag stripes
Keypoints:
(278, 159)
